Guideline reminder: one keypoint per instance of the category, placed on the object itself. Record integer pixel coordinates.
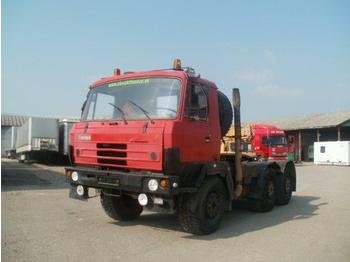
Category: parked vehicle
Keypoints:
(8, 141)
(152, 140)
(261, 141)
(228, 143)
(332, 153)
(36, 138)
(65, 125)
(309, 152)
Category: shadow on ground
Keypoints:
(239, 221)
(18, 176)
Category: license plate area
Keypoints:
(107, 180)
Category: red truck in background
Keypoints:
(269, 142)
(259, 142)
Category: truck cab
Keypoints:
(140, 121)
(269, 142)
(259, 141)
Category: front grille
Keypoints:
(111, 153)
(111, 161)
(111, 146)
(105, 156)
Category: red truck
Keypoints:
(260, 142)
(152, 140)
(269, 142)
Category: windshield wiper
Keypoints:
(143, 111)
(121, 112)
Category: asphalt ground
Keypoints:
(40, 223)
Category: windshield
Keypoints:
(131, 99)
(277, 140)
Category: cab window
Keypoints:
(197, 102)
(265, 140)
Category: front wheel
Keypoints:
(201, 213)
(122, 208)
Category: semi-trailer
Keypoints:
(8, 141)
(37, 137)
(64, 127)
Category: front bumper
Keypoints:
(132, 182)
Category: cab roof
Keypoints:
(182, 74)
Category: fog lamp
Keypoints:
(80, 190)
(143, 199)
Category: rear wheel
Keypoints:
(283, 189)
(201, 213)
(122, 208)
(267, 202)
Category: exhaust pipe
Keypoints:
(236, 101)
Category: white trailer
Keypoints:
(37, 135)
(65, 125)
(332, 153)
(8, 141)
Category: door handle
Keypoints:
(207, 139)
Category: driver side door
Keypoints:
(197, 133)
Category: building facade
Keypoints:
(305, 130)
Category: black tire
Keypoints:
(283, 185)
(268, 200)
(122, 208)
(201, 213)
(225, 113)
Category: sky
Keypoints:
(288, 58)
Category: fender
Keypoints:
(256, 173)
(218, 168)
(287, 168)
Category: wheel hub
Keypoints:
(288, 185)
(270, 189)
(212, 207)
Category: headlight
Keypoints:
(75, 176)
(153, 185)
